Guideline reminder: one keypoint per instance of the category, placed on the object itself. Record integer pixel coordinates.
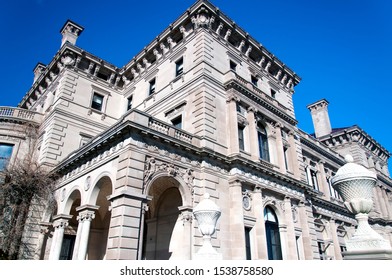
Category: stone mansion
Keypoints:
(204, 108)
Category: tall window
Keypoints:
(177, 122)
(152, 87)
(263, 142)
(5, 155)
(241, 141)
(272, 234)
(247, 243)
(130, 101)
(233, 66)
(179, 67)
(254, 80)
(97, 102)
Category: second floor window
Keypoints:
(233, 66)
(177, 122)
(97, 102)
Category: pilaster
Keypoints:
(237, 226)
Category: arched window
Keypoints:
(263, 142)
(272, 234)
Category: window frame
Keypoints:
(179, 66)
(101, 107)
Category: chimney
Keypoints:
(70, 32)
(320, 117)
(38, 70)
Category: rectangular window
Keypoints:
(313, 175)
(5, 155)
(233, 66)
(179, 67)
(241, 141)
(97, 102)
(129, 105)
(273, 93)
(152, 87)
(286, 157)
(247, 243)
(254, 80)
(177, 122)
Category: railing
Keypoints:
(20, 114)
(164, 128)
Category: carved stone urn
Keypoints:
(207, 214)
(355, 183)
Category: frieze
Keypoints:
(154, 166)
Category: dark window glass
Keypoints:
(233, 66)
(152, 87)
(179, 66)
(263, 143)
(130, 99)
(247, 243)
(241, 142)
(254, 80)
(177, 122)
(67, 247)
(97, 102)
(272, 234)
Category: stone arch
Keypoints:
(100, 224)
(164, 229)
(273, 233)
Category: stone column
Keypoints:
(293, 155)
(382, 200)
(335, 239)
(232, 129)
(44, 230)
(258, 210)
(323, 179)
(254, 142)
(306, 239)
(86, 215)
(291, 244)
(279, 147)
(237, 226)
(186, 214)
(60, 222)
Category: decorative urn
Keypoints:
(355, 183)
(207, 214)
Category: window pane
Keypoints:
(97, 102)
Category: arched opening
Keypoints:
(163, 234)
(69, 238)
(99, 230)
(272, 233)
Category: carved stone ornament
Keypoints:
(62, 195)
(202, 19)
(247, 200)
(87, 183)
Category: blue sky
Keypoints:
(340, 49)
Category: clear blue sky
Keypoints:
(340, 49)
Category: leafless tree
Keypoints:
(26, 190)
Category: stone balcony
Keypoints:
(14, 114)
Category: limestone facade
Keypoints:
(204, 108)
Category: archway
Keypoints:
(68, 244)
(99, 230)
(164, 231)
(272, 234)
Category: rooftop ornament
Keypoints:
(355, 183)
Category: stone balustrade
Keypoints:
(18, 114)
